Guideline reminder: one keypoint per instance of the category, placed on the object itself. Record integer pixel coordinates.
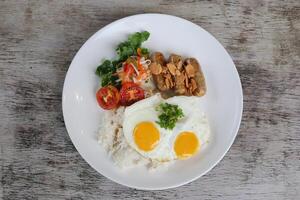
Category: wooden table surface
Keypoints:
(38, 40)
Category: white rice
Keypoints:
(112, 139)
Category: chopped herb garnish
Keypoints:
(169, 115)
(110, 79)
(145, 51)
(105, 68)
(129, 47)
(107, 73)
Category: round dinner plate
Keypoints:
(223, 102)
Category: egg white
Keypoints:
(145, 111)
(194, 121)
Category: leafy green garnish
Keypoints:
(106, 71)
(110, 79)
(145, 51)
(105, 68)
(169, 115)
(129, 47)
(124, 50)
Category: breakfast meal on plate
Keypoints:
(152, 106)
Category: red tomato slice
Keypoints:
(108, 97)
(131, 93)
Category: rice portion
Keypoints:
(112, 139)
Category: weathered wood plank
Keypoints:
(38, 40)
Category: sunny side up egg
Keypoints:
(151, 141)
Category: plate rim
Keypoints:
(236, 128)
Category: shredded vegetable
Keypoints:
(111, 72)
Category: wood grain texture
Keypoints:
(38, 40)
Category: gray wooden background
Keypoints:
(38, 40)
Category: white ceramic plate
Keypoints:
(223, 102)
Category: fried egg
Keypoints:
(150, 140)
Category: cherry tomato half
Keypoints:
(131, 93)
(108, 97)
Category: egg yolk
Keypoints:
(186, 145)
(146, 136)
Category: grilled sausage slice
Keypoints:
(199, 77)
(159, 59)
